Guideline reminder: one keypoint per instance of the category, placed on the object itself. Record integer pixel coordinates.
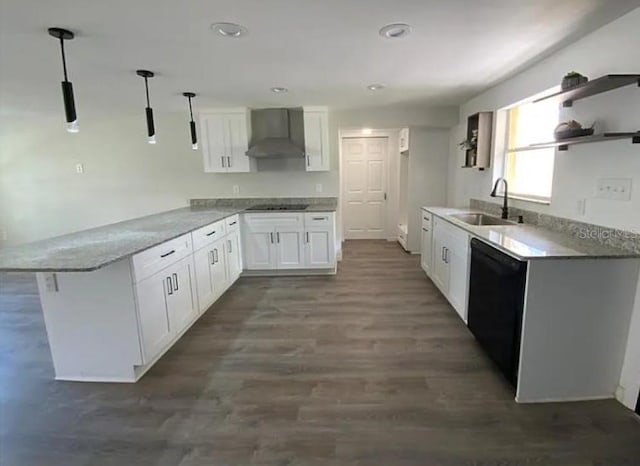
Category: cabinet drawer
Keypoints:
(207, 235)
(232, 223)
(318, 219)
(275, 220)
(426, 220)
(148, 262)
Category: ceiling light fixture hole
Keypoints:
(395, 30)
(230, 30)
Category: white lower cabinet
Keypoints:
(278, 241)
(289, 248)
(426, 254)
(211, 273)
(450, 263)
(166, 306)
(233, 254)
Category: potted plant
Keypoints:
(470, 145)
(573, 79)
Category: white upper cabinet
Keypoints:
(316, 138)
(225, 139)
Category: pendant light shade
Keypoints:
(67, 87)
(151, 129)
(192, 124)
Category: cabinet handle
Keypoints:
(308, 161)
(228, 162)
(230, 248)
(426, 218)
(169, 286)
(222, 158)
(278, 236)
(319, 219)
(212, 259)
(175, 279)
(271, 237)
(213, 232)
(215, 256)
(168, 253)
(307, 234)
(446, 255)
(442, 254)
(232, 223)
(424, 229)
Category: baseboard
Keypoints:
(94, 379)
(288, 273)
(566, 399)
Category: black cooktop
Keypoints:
(279, 207)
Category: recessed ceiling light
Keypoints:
(231, 30)
(367, 131)
(375, 87)
(279, 90)
(395, 31)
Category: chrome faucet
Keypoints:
(505, 208)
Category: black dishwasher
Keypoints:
(496, 301)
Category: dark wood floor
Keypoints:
(371, 367)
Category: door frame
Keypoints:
(392, 179)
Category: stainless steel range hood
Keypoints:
(277, 133)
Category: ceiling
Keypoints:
(325, 51)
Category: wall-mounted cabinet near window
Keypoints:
(316, 139)
(225, 140)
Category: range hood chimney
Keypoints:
(277, 133)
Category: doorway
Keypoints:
(365, 170)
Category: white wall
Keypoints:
(41, 195)
(608, 50)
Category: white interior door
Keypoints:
(364, 187)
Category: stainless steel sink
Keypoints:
(481, 219)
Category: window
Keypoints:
(529, 172)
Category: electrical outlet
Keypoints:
(236, 189)
(79, 168)
(615, 189)
(318, 187)
(51, 282)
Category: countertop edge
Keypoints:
(101, 265)
(468, 228)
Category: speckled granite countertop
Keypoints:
(528, 242)
(92, 249)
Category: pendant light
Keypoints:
(67, 87)
(151, 129)
(192, 124)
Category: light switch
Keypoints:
(79, 168)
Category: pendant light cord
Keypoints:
(64, 60)
(190, 109)
(146, 88)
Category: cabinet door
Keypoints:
(319, 248)
(236, 143)
(457, 256)
(153, 316)
(234, 262)
(440, 274)
(259, 247)
(203, 263)
(316, 138)
(213, 137)
(219, 277)
(289, 249)
(426, 250)
(180, 301)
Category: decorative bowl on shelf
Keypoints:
(571, 129)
